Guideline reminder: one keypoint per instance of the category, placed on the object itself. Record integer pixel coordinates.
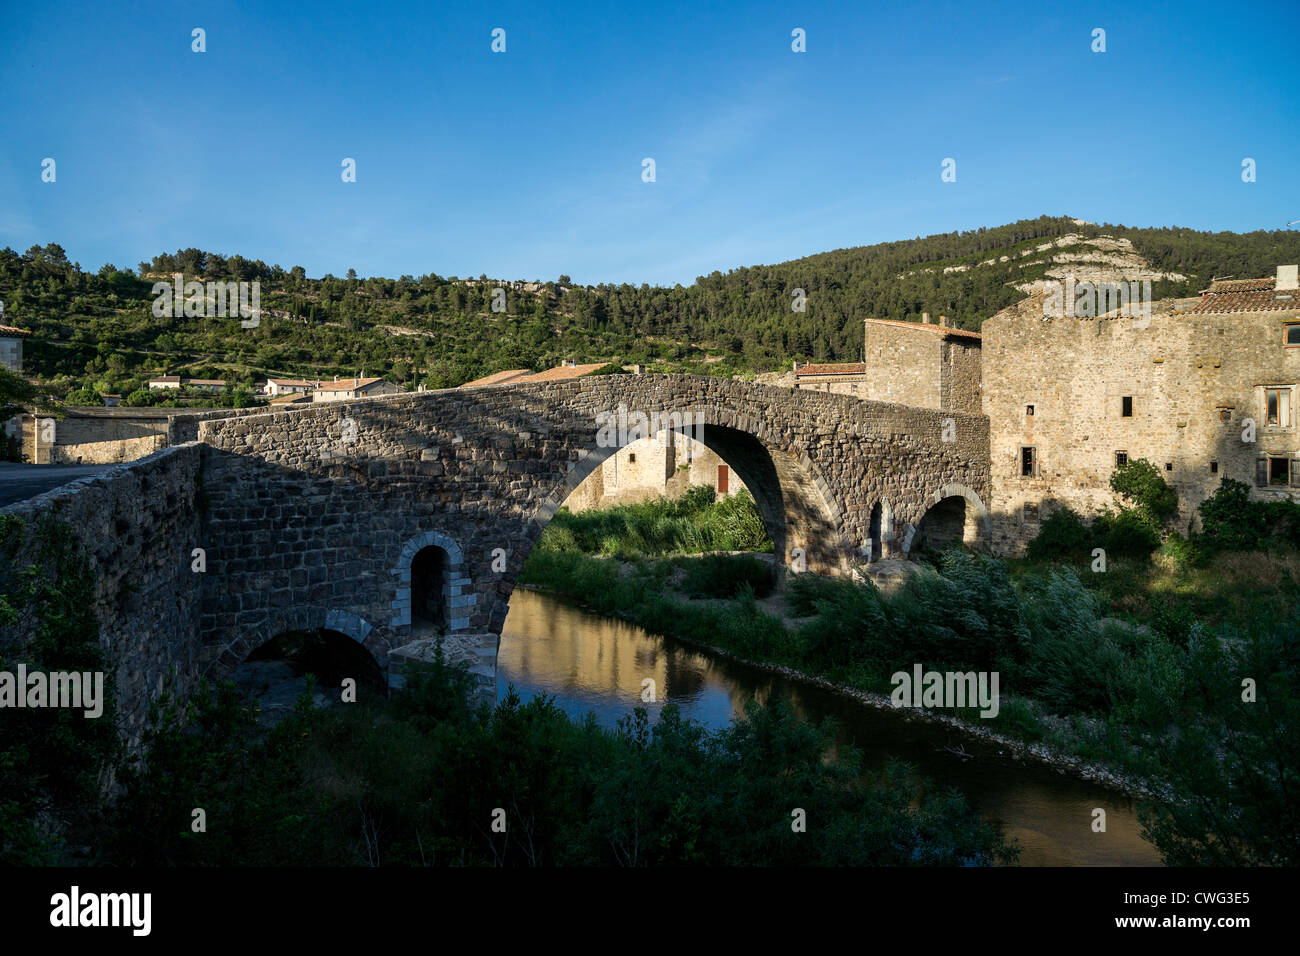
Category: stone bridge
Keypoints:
(387, 519)
(366, 517)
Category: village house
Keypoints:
(1203, 388)
(351, 388)
(11, 347)
(285, 386)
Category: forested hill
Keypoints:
(96, 331)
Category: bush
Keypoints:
(1063, 535)
(1230, 519)
(1140, 483)
(726, 576)
(1128, 532)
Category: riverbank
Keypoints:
(1061, 761)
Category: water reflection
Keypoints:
(592, 664)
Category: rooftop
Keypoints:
(843, 368)
(347, 384)
(498, 378)
(1246, 295)
(10, 330)
(928, 327)
(560, 373)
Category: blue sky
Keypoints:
(528, 164)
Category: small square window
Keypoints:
(631, 457)
(1293, 334)
(1127, 406)
(1214, 467)
(1225, 414)
(1169, 466)
(1121, 459)
(1029, 409)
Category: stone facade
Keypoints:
(136, 526)
(653, 468)
(917, 363)
(1177, 388)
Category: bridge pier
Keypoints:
(477, 651)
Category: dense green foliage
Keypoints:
(417, 781)
(51, 759)
(96, 329)
(1155, 693)
(690, 524)
(1231, 520)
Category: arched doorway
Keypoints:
(430, 589)
(942, 526)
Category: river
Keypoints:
(596, 664)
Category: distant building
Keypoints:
(284, 386)
(350, 388)
(290, 398)
(849, 378)
(11, 347)
(175, 381)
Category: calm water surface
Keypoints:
(594, 664)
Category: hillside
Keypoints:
(97, 331)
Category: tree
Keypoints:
(1140, 483)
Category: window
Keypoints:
(1121, 459)
(1028, 462)
(1225, 414)
(631, 457)
(1127, 406)
(1279, 471)
(1214, 467)
(1291, 335)
(1029, 409)
(1169, 466)
(1277, 406)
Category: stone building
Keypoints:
(11, 347)
(921, 363)
(350, 388)
(650, 468)
(845, 378)
(1203, 388)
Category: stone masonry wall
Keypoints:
(136, 525)
(317, 513)
(1192, 378)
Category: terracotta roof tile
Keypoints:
(1246, 295)
(847, 368)
(498, 378)
(560, 373)
(10, 330)
(346, 384)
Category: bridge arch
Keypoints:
(797, 505)
(300, 618)
(954, 514)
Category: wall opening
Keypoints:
(876, 531)
(430, 589)
(943, 526)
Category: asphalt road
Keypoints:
(20, 482)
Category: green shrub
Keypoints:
(1062, 535)
(725, 576)
(1140, 483)
(1230, 520)
(1128, 532)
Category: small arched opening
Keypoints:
(430, 590)
(876, 532)
(942, 526)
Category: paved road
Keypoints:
(20, 482)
